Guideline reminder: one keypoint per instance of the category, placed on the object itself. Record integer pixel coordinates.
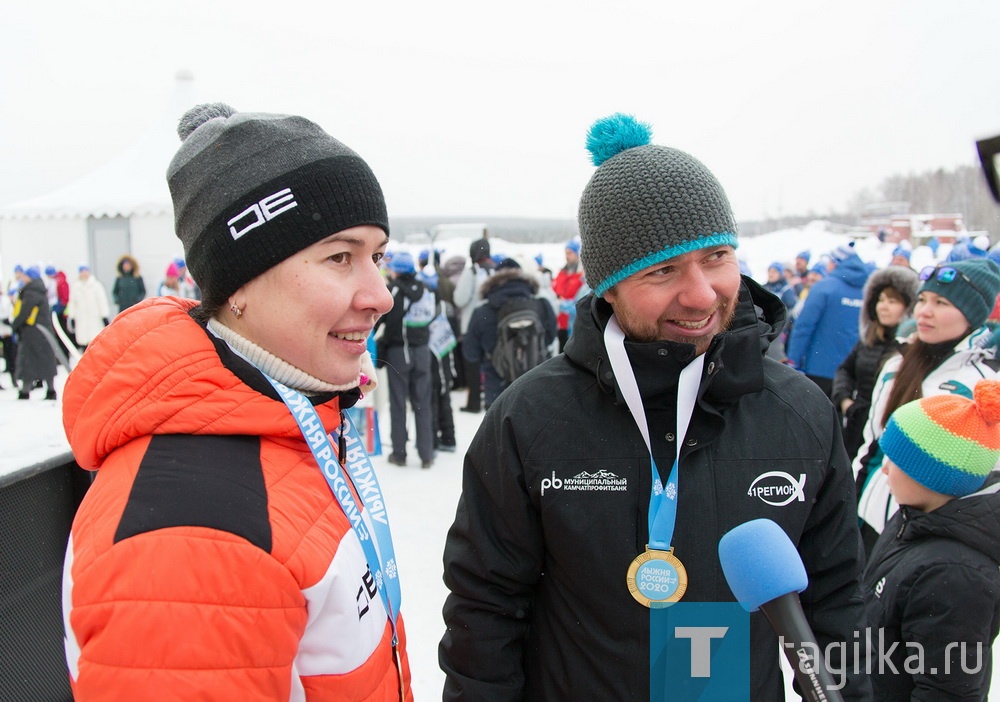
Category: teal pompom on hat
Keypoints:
(645, 204)
(947, 443)
(972, 288)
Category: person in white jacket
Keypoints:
(466, 298)
(951, 351)
(88, 309)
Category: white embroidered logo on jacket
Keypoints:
(778, 488)
(602, 481)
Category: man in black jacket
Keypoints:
(507, 284)
(559, 482)
(404, 351)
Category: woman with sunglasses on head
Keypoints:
(234, 544)
(950, 352)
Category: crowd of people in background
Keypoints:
(48, 319)
(878, 387)
(891, 347)
(908, 359)
(442, 333)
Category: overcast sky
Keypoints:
(477, 109)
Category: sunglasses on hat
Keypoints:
(947, 274)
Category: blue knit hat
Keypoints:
(402, 262)
(573, 245)
(778, 266)
(902, 251)
(804, 255)
(972, 287)
(979, 246)
(842, 253)
(33, 273)
(50, 271)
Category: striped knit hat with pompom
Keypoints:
(645, 204)
(947, 443)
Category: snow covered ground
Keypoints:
(421, 502)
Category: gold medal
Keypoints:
(656, 578)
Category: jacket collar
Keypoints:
(972, 520)
(735, 359)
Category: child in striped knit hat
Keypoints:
(932, 585)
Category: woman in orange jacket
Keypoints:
(234, 544)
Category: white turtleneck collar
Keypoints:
(265, 361)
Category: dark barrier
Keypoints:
(37, 506)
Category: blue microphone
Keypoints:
(765, 572)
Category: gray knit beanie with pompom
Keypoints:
(251, 189)
(645, 204)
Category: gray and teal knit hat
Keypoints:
(645, 204)
(971, 285)
(250, 189)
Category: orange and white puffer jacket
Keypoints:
(209, 560)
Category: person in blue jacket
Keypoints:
(827, 327)
(777, 284)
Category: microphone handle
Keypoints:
(799, 645)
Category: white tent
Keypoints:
(122, 207)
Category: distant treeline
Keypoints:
(514, 229)
(962, 190)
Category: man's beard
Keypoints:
(645, 332)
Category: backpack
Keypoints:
(520, 339)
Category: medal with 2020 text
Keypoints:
(656, 578)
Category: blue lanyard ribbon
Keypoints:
(361, 475)
(663, 498)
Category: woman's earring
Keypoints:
(237, 312)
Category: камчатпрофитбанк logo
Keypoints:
(601, 481)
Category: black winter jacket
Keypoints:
(406, 290)
(32, 323)
(933, 580)
(481, 337)
(855, 377)
(539, 608)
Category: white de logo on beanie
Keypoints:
(263, 211)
